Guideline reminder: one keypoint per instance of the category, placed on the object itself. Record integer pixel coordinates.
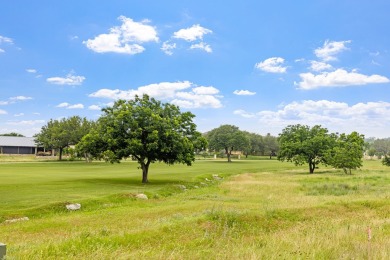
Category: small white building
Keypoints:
(18, 145)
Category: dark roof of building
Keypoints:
(17, 141)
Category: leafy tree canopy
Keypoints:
(58, 134)
(228, 138)
(347, 152)
(145, 129)
(301, 144)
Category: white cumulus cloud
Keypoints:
(94, 107)
(75, 106)
(193, 33)
(193, 97)
(5, 40)
(70, 106)
(319, 66)
(64, 104)
(273, 65)
(330, 49)
(70, 80)
(168, 47)
(202, 46)
(243, 113)
(20, 98)
(126, 39)
(244, 93)
(369, 118)
(31, 70)
(26, 122)
(3, 112)
(205, 90)
(338, 78)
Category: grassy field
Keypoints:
(262, 209)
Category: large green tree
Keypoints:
(59, 134)
(303, 144)
(347, 152)
(147, 130)
(228, 138)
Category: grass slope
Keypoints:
(261, 210)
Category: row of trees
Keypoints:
(378, 147)
(150, 131)
(315, 145)
(230, 138)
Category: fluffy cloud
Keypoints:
(320, 66)
(330, 50)
(205, 90)
(338, 78)
(202, 46)
(243, 113)
(3, 112)
(20, 114)
(196, 32)
(64, 104)
(94, 107)
(126, 39)
(192, 100)
(20, 98)
(244, 93)
(196, 97)
(5, 40)
(369, 118)
(13, 100)
(70, 80)
(69, 106)
(76, 106)
(26, 122)
(273, 65)
(168, 48)
(31, 70)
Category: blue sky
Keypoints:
(260, 65)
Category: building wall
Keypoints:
(17, 150)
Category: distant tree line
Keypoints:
(302, 144)
(12, 134)
(149, 131)
(229, 138)
(377, 147)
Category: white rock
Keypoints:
(17, 220)
(74, 206)
(216, 177)
(182, 187)
(141, 196)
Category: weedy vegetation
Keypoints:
(255, 209)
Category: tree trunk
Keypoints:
(60, 156)
(228, 154)
(145, 170)
(311, 167)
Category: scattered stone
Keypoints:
(73, 206)
(206, 179)
(196, 187)
(141, 196)
(182, 187)
(202, 183)
(16, 220)
(216, 177)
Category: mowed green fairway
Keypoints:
(262, 209)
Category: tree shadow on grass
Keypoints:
(131, 181)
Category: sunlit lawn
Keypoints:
(262, 209)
